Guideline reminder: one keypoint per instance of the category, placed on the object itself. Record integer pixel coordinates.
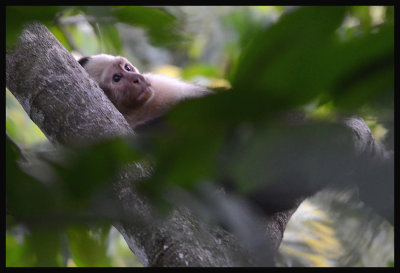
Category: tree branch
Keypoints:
(68, 106)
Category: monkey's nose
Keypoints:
(137, 78)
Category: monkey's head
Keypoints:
(119, 79)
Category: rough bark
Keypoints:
(68, 106)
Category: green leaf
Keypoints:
(160, 25)
(18, 16)
(60, 36)
(89, 171)
(306, 156)
(362, 68)
(281, 65)
(17, 253)
(37, 247)
(86, 249)
(26, 197)
(201, 69)
(45, 244)
(109, 34)
(245, 23)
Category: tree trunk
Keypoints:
(68, 106)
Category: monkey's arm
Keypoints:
(171, 89)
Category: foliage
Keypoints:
(310, 60)
(158, 23)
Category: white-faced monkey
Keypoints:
(139, 97)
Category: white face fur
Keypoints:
(120, 80)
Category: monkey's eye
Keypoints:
(128, 67)
(116, 78)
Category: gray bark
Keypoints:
(68, 106)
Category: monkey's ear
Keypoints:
(83, 61)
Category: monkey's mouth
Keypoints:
(144, 94)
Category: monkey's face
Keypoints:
(125, 86)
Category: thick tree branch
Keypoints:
(60, 98)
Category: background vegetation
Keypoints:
(330, 62)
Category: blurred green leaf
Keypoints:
(88, 171)
(87, 250)
(200, 69)
(26, 197)
(18, 124)
(282, 63)
(245, 23)
(362, 14)
(45, 243)
(78, 182)
(33, 247)
(160, 25)
(362, 69)
(86, 40)
(306, 156)
(389, 13)
(109, 35)
(46, 211)
(60, 36)
(18, 16)
(17, 253)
